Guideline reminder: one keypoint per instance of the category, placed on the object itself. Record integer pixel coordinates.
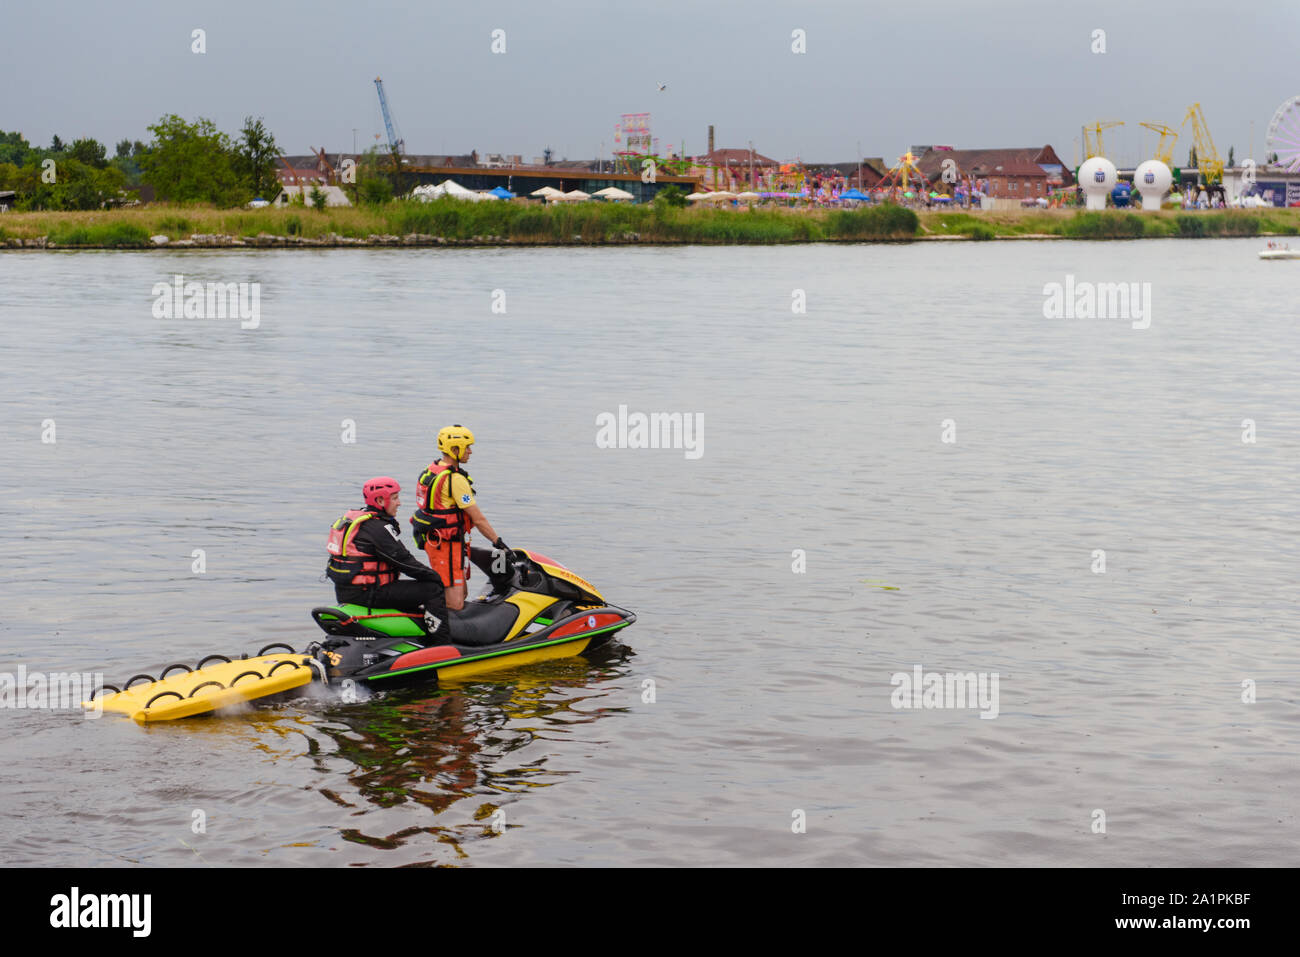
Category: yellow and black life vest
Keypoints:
(445, 524)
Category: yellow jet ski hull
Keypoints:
(207, 689)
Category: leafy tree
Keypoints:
(123, 149)
(129, 167)
(257, 156)
(77, 185)
(373, 185)
(670, 196)
(88, 151)
(375, 189)
(317, 198)
(1231, 162)
(13, 148)
(193, 162)
(57, 145)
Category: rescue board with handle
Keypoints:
(207, 687)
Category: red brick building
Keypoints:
(1014, 173)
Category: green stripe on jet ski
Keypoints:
(494, 654)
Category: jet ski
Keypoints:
(540, 611)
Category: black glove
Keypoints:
(499, 544)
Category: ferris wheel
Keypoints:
(1283, 136)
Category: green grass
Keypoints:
(961, 224)
(874, 222)
(1103, 225)
(609, 222)
(176, 227)
(105, 234)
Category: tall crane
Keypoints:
(1207, 157)
(395, 145)
(1165, 148)
(1095, 147)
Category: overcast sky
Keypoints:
(967, 75)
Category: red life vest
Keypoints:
(349, 563)
(444, 524)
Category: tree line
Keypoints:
(183, 162)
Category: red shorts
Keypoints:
(449, 560)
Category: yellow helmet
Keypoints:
(454, 440)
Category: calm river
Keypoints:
(904, 465)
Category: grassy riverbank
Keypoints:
(1111, 224)
(460, 221)
(454, 221)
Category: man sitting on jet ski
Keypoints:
(367, 555)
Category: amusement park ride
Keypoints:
(1283, 137)
(905, 175)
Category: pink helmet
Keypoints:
(378, 492)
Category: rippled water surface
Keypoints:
(747, 691)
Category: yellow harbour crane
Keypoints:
(1165, 149)
(1207, 157)
(1092, 144)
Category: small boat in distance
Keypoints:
(1274, 251)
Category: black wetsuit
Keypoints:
(379, 536)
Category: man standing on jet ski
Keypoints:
(445, 515)
(367, 555)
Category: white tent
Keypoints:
(613, 193)
(693, 197)
(573, 195)
(546, 192)
(749, 197)
(447, 188)
(334, 195)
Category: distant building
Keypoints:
(574, 165)
(303, 171)
(729, 167)
(1273, 185)
(500, 161)
(1012, 173)
(441, 159)
(872, 170)
(6, 199)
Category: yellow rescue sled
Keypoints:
(208, 686)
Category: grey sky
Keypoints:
(997, 74)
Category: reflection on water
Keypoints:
(427, 749)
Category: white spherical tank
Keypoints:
(1152, 179)
(1097, 177)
